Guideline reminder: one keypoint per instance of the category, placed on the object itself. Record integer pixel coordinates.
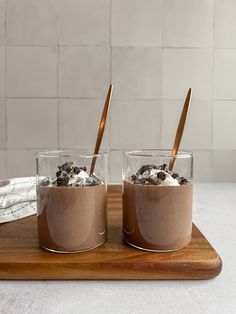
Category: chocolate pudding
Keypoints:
(71, 218)
(71, 211)
(157, 210)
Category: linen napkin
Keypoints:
(17, 198)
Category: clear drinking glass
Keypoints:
(157, 215)
(72, 216)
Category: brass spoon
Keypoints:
(101, 127)
(180, 128)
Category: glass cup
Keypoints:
(157, 202)
(71, 203)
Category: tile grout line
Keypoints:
(58, 100)
(121, 99)
(58, 69)
(6, 99)
(110, 113)
(126, 47)
(119, 149)
(212, 88)
(162, 57)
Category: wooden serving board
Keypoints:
(21, 257)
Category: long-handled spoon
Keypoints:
(101, 127)
(180, 128)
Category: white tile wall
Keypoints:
(2, 164)
(220, 172)
(84, 22)
(32, 72)
(136, 24)
(224, 133)
(225, 23)
(202, 170)
(32, 123)
(188, 23)
(136, 73)
(116, 159)
(198, 129)
(2, 21)
(84, 71)
(78, 123)
(2, 123)
(132, 125)
(225, 74)
(184, 68)
(20, 162)
(2, 71)
(58, 57)
(31, 23)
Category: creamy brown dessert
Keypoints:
(71, 210)
(157, 209)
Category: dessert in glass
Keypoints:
(157, 201)
(71, 201)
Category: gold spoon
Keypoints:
(180, 128)
(101, 127)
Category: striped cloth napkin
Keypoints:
(17, 198)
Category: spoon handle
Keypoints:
(101, 127)
(180, 128)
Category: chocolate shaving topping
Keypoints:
(93, 180)
(77, 170)
(67, 166)
(62, 181)
(175, 175)
(182, 180)
(58, 173)
(156, 179)
(146, 167)
(68, 175)
(161, 175)
(140, 181)
(153, 181)
(163, 167)
(45, 182)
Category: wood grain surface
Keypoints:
(21, 257)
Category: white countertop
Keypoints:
(214, 214)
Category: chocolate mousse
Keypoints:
(71, 210)
(157, 209)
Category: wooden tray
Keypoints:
(21, 257)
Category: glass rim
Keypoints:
(68, 153)
(167, 153)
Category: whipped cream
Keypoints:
(71, 175)
(157, 175)
(78, 178)
(153, 174)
